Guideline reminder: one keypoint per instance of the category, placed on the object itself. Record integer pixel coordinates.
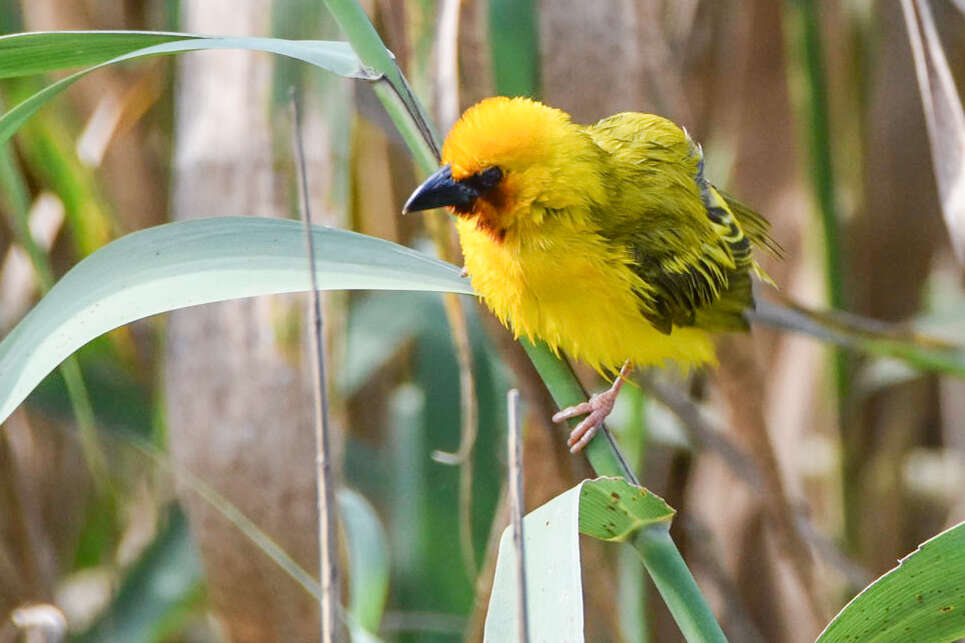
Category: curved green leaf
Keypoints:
(922, 599)
(34, 52)
(196, 262)
(29, 53)
(606, 508)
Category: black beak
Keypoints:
(440, 190)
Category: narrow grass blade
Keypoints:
(196, 262)
(336, 57)
(325, 483)
(922, 599)
(918, 350)
(944, 117)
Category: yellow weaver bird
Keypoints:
(605, 241)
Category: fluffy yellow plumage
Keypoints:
(605, 241)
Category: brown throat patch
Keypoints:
(487, 213)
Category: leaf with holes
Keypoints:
(922, 599)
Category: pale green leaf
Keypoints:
(32, 52)
(607, 508)
(196, 262)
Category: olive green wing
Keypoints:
(706, 285)
(689, 244)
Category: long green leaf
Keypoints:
(922, 599)
(28, 53)
(606, 508)
(196, 262)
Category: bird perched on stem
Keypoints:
(605, 241)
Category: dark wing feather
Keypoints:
(755, 226)
(709, 288)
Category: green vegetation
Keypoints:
(396, 366)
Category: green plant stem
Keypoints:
(392, 89)
(368, 45)
(676, 584)
(603, 453)
(805, 35)
(423, 153)
(811, 56)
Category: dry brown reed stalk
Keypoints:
(325, 477)
(517, 509)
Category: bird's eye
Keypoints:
(485, 180)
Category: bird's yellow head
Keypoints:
(508, 162)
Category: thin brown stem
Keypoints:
(325, 483)
(516, 501)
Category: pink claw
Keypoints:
(596, 409)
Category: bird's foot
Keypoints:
(464, 272)
(596, 409)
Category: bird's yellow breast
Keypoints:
(572, 289)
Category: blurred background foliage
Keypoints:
(808, 110)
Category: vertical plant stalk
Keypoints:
(516, 502)
(676, 585)
(654, 545)
(327, 546)
(447, 63)
(808, 52)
